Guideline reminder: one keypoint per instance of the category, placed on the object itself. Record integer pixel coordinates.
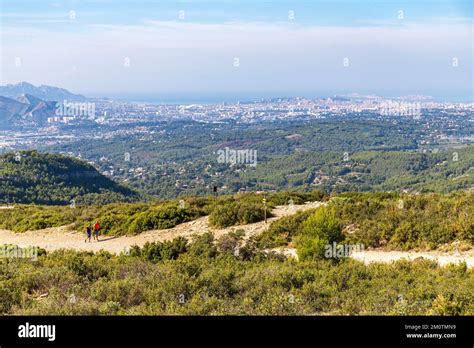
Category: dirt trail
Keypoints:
(371, 256)
(385, 256)
(62, 238)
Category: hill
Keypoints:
(33, 177)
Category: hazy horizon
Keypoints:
(250, 96)
(219, 50)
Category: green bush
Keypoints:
(282, 231)
(320, 229)
(424, 221)
(237, 213)
(285, 197)
(157, 251)
(203, 245)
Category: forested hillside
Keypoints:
(374, 171)
(33, 177)
(180, 158)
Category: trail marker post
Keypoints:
(264, 201)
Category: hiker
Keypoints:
(88, 233)
(96, 230)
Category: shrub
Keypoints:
(281, 231)
(203, 245)
(227, 285)
(320, 229)
(229, 242)
(284, 197)
(157, 251)
(248, 213)
(224, 216)
(237, 213)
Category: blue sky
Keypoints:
(164, 50)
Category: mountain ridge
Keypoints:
(43, 92)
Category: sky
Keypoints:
(248, 49)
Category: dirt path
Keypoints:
(371, 256)
(384, 256)
(61, 238)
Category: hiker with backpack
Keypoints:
(88, 233)
(96, 230)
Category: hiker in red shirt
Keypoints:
(96, 230)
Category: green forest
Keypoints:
(51, 179)
(179, 158)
